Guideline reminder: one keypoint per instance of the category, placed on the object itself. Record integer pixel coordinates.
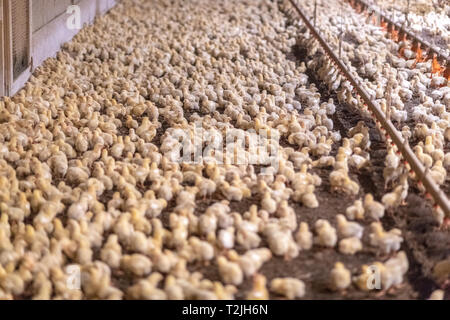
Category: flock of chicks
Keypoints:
(405, 88)
(87, 178)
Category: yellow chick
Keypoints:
(429, 146)
(111, 252)
(350, 246)
(426, 159)
(259, 290)
(340, 277)
(280, 240)
(147, 289)
(58, 162)
(362, 280)
(173, 290)
(304, 237)
(232, 193)
(393, 199)
(136, 264)
(387, 241)
(438, 173)
(251, 261)
(340, 181)
(77, 174)
(206, 187)
(441, 271)
(10, 281)
(291, 288)
(437, 295)
(347, 229)
(374, 209)
(355, 211)
(225, 238)
(326, 234)
(268, 204)
(230, 272)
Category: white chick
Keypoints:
(304, 237)
(355, 211)
(393, 270)
(347, 229)
(387, 241)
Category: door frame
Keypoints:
(9, 84)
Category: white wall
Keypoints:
(2, 84)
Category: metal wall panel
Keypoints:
(20, 33)
(44, 11)
(2, 68)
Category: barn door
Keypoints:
(16, 44)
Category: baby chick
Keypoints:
(259, 290)
(230, 272)
(268, 204)
(348, 229)
(394, 198)
(291, 288)
(355, 211)
(393, 270)
(304, 237)
(225, 238)
(136, 264)
(374, 209)
(437, 295)
(326, 234)
(362, 280)
(350, 245)
(251, 261)
(111, 252)
(280, 240)
(387, 241)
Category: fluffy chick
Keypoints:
(374, 209)
(326, 234)
(291, 288)
(340, 277)
(347, 229)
